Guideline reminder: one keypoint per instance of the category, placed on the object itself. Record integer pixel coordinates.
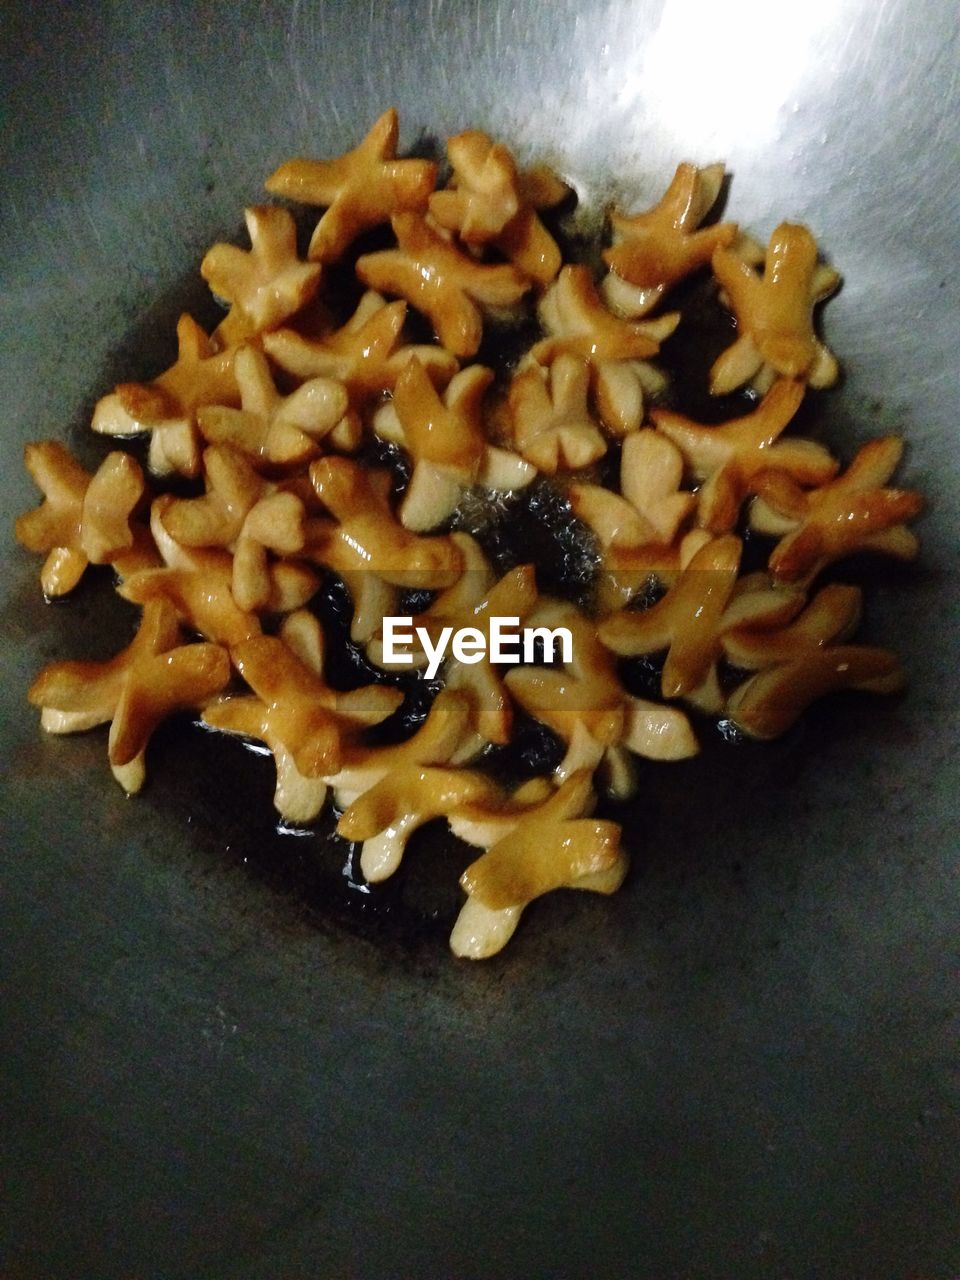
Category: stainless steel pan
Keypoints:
(743, 1066)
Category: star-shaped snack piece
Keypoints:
(391, 776)
(264, 285)
(367, 354)
(83, 519)
(386, 816)
(654, 250)
(474, 599)
(446, 442)
(855, 512)
(586, 705)
(640, 532)
(489, 202)
(275, 430)
(689, 622)
(304, 722)
(148, 681)
(359, 500)
(200, 592)
(436, 742)
(299, 797)
(166, 407)
(726, 459)
(274, 523)
(442, 281)
(774, 313)
(361, 189)
(553, 845)
(240, 511)
(551, 425)
(617, 350)
(803, 661)
(231, 488)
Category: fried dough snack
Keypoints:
(774, 313)
(726, 460)
(618, 351)
(83, 519)
(853, 512)
(388, 792)
(446, 442)
(551, 424)
(589, 709)
(654, 250)
(166, 408)
(266, 284)
(475, 598)
(152, 678)
(446, 284)
(550, 844)
(366, 354)
(803, 661)
(689, 623)
(360, 190)
(257, 416)
(275, 430)
(490, 202)
(640, 529)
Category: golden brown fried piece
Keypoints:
(774, 314)
(274, 524)
(654, 250)
(386, 816)
(83, 519)
(166, 407)
(367, 354)
(801, 662)
(275, 430)
(727, 459)
(640, 532)
(855, 512)
(360, 502)
(437, 741)
(148, 681)
(552, 845)
(367, 546)
(446, 442)
(361, 189)
(489, 202)
(551, 425)
(310, 719)
(200, 592)
(300, 796)
(691, 619)
(387, 792)
(587, 706)
(618, 351)
(474, 599)
(265, 285)
(437, 278)
(232, 487)
(242, 512)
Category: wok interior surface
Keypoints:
(745, 1064)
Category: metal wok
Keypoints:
(745, 1065)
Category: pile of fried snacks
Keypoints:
(271, 412)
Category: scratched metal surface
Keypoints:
(746, 1065)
